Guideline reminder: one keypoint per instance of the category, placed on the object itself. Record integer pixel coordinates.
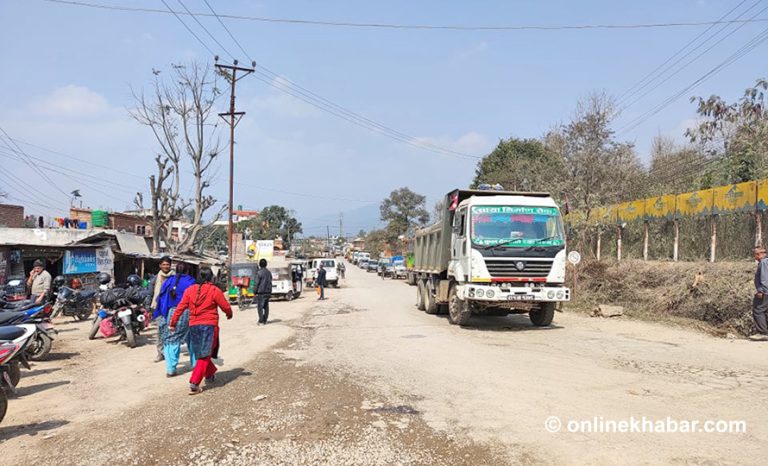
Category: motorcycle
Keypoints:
(74, 303)
(13, 341)
(40, 316)
(124, 313)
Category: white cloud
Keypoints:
(71, 101)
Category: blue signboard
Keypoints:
(80, 261)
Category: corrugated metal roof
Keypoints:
(132, 244)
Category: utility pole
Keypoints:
(232, 118)
(341, 224)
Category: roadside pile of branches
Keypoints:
(713, 297)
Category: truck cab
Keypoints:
(493, 253)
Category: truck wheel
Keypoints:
(420, 292)
(431, 301)
(411, 279)
(542, 316)
(459, 311)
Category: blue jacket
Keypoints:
(168, 297)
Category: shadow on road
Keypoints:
(35, 372)
(9, 432)
(511, 323)
(60, 356)
(32, 389)
(225, 377)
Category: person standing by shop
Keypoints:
(262, 287)
(155, 285)
(203, 302)
(39, 282)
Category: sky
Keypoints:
(69, 71)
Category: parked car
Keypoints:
(385, 268)
(331, 274)
(362, 263)
(372, 266)
(399, 270)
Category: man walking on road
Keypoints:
(262, 288)
(760, 301)
(321, 281)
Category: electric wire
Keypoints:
(25, 158)
(350, 24)
(645, 81)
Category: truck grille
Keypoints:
(508, 268)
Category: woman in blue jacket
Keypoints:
(170, 295)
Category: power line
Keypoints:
(72, 157)
(447, 27)
(745, 49)
(289, 87)
(232, 36)
(693, 59)
(205, 46)
(631, 91)
(204, 28)
(26, 159)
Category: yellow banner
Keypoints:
(576, 217)
(735, 198)
(662, 207)
(632, 210)
(697, 203)
(762, 195)
(605, 215)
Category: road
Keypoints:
(365, 378)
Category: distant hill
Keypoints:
(361, 218)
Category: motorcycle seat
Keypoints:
(9, 318)
(11, 333)
(15, 305)
(83, 295)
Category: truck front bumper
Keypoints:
(487, 293)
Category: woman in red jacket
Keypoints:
(203, 302)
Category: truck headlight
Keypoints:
(550, 294)
(471, 292)
(489, 294)
(479, 293)
(560, 294)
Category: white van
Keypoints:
(331, 273)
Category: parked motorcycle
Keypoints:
(13, 341)
(74, 303)
(124, 313)
(40, 316)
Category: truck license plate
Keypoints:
(519, 297)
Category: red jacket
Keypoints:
(203, 302)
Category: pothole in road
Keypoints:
(399, 409)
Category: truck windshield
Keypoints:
(516, 226)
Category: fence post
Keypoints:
(618, 243)
(599, 242)
(645, 241)
(676, 245)
(713, 244)
(758, 229)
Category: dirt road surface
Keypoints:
(365, 378)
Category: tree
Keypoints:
(438, 210)
(598, 169)
(735, 135)
(272, 222)
(520, 165)
(668, 171)
(178, 112)
(377, 242)
(402, 210)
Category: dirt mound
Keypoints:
(715, 297)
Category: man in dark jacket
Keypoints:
(262, 288)
(760, 301)
(321, 281)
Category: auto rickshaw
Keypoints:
(283, 284)
(241, 281)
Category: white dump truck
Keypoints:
(492, 253)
